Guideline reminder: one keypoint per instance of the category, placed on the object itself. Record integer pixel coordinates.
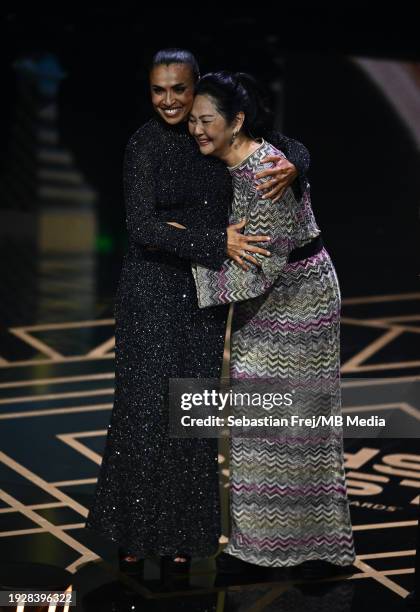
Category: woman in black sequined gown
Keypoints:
(155, 494)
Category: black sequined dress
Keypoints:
(155, 494)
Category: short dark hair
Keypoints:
(233, 92)
(176, 56)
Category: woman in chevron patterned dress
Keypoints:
(288, 494)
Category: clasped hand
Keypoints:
(240, 246)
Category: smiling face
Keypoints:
(172, 90)
(209, 128)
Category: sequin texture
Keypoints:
(155, 494)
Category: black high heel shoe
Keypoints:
(169, 568)
(134, 569)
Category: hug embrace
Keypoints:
(219, 212)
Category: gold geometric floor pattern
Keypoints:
(57, 392)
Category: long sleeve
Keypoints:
(297, 154)
(233, 284)
(205, 245)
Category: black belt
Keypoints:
(312, 248)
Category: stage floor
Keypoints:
(56, 391)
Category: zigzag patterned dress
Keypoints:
(288, 492)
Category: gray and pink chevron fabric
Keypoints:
(288, 493)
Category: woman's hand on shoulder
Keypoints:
(281, 176)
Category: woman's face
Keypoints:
(209, 128)
(172, 90)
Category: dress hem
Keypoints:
(343, 561)
(158, 551)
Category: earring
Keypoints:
(233, 138)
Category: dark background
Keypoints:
(365, 170)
